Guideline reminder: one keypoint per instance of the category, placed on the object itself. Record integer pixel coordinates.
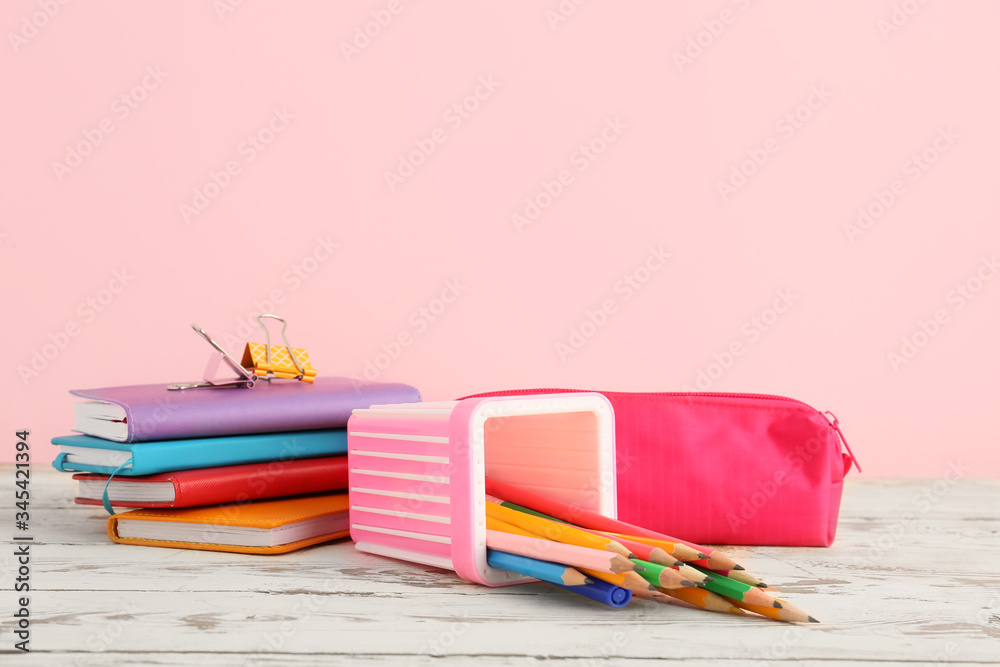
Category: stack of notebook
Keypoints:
(254, 470)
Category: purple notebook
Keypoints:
(150, 412)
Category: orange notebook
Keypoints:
(273, 526)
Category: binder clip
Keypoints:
(245, 379)
(273, 361)
(261, 361)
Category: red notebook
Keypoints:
(212, 486)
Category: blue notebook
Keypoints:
(82, 453)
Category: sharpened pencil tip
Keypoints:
(708, 579)
(761, 585)
(778, 605)
(639, 568)
(813, 620)
(588, 581)
(678, 563)
(738, 567)
(701, 555)
(632, 555)
(687, 582)
(652, 587)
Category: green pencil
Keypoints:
(662, 575)
(737, 589)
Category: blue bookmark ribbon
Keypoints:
(104, 497)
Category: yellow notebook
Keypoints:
(263, 527)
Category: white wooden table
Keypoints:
(886, 592)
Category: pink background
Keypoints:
(169, 93)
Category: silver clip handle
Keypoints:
(246, 379)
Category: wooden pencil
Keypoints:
(590, 519)
(676, 549)
(787, 612)
(555, 573)
(693, 574)
(559, 532)
(709, 558)
(704, 599)
(737, 590)
(662, 576)
(557, 552)
(497, 524)
(669, 553)
(741, 575)
(643, 551)
(629, 580)
(654, 594)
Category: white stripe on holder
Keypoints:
(401, 494)
(403, 457)
(442, 439)
(406, 515)
(442, 539)
(403, 475)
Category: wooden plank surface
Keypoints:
(885, 592)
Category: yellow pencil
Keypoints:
(560, 532)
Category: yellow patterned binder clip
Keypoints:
(273, 361)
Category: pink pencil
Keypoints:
(557, 552)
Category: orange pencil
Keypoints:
(707, 600)
(787, 612)
(629, 580)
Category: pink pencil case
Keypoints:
(726, 468)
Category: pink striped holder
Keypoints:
(417, 471)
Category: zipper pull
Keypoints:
(835, 423)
